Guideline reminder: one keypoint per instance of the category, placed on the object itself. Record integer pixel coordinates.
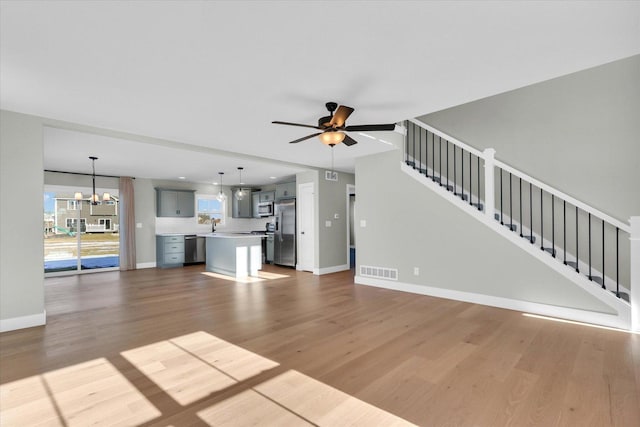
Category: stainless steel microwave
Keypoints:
(265, 208)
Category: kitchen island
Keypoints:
(234, 254)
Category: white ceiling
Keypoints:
(215, 74)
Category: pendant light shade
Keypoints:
(221, 196)
(240, 193)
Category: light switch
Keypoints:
(138, 225)
(363, 223)
(336, 216)
(327, 223)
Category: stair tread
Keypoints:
(624, 296)
(596, 279)
(552, 251)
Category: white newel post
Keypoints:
(634, 240)
(489, 190)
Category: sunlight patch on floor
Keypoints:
(189, 369)
(262, 276)
(573, 322)
(293, 398)
(248, 279)
(93, 392)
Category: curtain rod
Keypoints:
(87, 174)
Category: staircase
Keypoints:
(586, 245)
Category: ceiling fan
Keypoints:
(333, 126)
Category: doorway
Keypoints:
(79, 236)
(351, 229)
(306, 231)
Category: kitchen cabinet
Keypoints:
(255, 201)
(241, 208)
(175, 203)
(287, 189)
(169, 251)
(267, 196)
(261, 197)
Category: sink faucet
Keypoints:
(213, 225)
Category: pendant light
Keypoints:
(240, 194)
(94, 196)
(221, 196)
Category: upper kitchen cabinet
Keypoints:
(267, 196)
(288, 189)
(175, 203)
(241, 208)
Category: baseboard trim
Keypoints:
(23, 322)
(329, 270)
(611, 320)
(142, 265)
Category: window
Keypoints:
(72, 205)
(209, 208)
(72, 224)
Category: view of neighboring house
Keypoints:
(100, 218)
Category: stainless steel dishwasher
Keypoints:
(194, 249)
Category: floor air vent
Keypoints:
(379, 272)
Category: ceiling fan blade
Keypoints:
(296, 124)
(370, 128)
(348, 141)
(341, 116)
(305, 137)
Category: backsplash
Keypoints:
(189, 225)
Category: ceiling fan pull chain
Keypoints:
(332, 158)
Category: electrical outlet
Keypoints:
(327, 223)
(363, 223)
(336, 216)
(416, 271)
(138, 225)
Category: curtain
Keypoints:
(127, 225)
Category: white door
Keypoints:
(306, 235)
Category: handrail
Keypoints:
(431, 129)
(593, 211)
(583, 206)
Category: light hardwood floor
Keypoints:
(181, 347)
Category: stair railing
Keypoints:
(576, 234)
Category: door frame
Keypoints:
(299, 215)
(351, 189)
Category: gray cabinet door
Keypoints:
(267, 196)
(175, 203)
(186, 204)
(285, 190)
(241, 208)
(167, 202)
(255, 201)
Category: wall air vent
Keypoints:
(379, 272)
(331, 175)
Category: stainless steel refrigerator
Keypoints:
(284, 238)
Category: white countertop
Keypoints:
(222, 235)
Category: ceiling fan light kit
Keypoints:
(331, 138)
(333, 127)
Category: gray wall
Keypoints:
(410, 226)
(577, 133)
(21, 227)
(333, 200)
(330, 199)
